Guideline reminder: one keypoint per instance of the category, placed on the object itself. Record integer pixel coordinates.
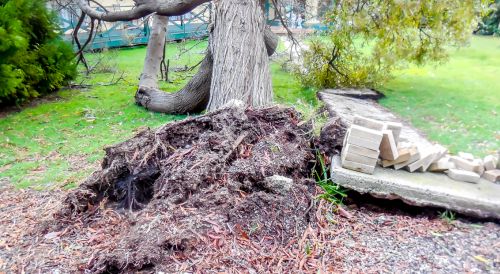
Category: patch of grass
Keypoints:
(448, 216)
(334, 193)
(60, 142)
(456, 103)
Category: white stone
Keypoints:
(278, 184)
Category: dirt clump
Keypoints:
(332, 136)
(231, 172)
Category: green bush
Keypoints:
(33, 58)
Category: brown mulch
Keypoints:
(366, 239)
(208, 195)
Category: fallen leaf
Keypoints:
(481, 259)
(52, 235)
(344, 213)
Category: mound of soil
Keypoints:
(234, 171)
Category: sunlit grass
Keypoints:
(60, 142)
(456, 103)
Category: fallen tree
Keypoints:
(245, 172)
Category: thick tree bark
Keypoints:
(237, 50)
(241, 65)
(195, 95)
(156, 43)
(190, 99)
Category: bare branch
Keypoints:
(295, 44)
(143, 8)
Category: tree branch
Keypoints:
(143, 8)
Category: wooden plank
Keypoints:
(423, 162)
(492, 175)
(370, 153)
(358, 167)
(360, 142)
(366, 133)
(466, 165)
(368, 123)
(489, 162)
(442, 165)
(396, 128)
(388, 146)
(353, 157)
(463, 175)
(414, 156)
(441, 151)
(466, 156)
(404, 155)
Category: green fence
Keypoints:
(191, 25)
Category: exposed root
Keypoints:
(186, 178)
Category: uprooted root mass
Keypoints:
(198, 177)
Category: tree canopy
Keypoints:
(367, 40)
(33, 58)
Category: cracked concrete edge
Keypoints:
(412, 196)
(362, 93)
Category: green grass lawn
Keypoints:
(456, 103)
(59, 142)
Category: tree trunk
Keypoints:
(240, 62)
(195, 95)
(190, 99)
(154, 55)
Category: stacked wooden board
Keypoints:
(369, 142)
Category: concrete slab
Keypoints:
(423, 189)
(356, 93)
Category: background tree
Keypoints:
(490, 24)
(236, 65)
(367, 39)
(33, 58)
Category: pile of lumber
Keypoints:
(369, 142)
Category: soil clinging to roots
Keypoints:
(243, 172)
